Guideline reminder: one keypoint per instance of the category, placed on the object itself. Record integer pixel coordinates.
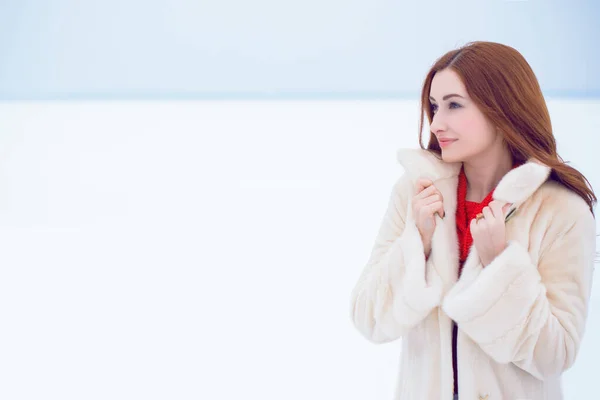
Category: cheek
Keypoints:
(473, 127)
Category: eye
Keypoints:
(452, 105)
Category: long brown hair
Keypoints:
(505, 89)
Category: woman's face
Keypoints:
(456, 117)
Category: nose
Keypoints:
(437, 123)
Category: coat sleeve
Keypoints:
(532, 315)
(392, 293)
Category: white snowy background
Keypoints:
(207, 250)
(189, 190)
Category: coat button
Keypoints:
(483, 397)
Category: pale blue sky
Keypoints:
(314, 49)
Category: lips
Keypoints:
(446, 142)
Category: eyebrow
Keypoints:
(448, 96)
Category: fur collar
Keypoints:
(515, 187)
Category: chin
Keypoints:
(450, 158)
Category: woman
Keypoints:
(483, 262)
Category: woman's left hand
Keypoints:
(489, 234)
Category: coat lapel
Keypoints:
(515, 187)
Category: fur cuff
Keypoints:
(422, 287)
(498, 298)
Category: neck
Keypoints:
(485, 172)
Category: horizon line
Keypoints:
(258, 95)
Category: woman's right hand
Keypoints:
(427, 201)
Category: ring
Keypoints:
(478, 217)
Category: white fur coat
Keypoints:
(520, 320)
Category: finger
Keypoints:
(496, 207)
(473, 227)
(441, 211)
(433, 207)
(437, 191)
(500, 209)
(423, 183)
(487, 213)
(430, 199)
(426, 192)
(506, 208)
(427, 201)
